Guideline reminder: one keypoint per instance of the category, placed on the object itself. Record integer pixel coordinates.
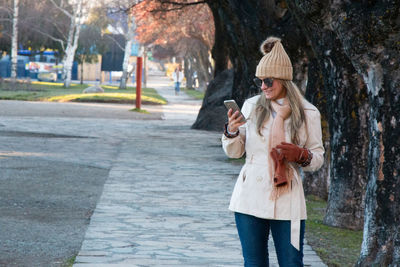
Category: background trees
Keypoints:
(188, 33)
(47, 24)
(76, 11)
(34, 19)
(121, 21)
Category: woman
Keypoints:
(281, 135)
(177, 76)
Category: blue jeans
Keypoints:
(177, 86)
(253, 234)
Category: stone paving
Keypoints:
(165, 202)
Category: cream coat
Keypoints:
(253, 188)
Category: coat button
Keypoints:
(259, 179)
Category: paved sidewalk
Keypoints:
(165, 202)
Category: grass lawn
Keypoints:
(335, 246)
(43, 91)
(194, 93)
(70, 262)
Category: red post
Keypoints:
(139, 66)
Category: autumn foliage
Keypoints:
(178, 28)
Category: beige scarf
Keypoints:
(277, 135)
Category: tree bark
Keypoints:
(125, 64)
(245, 25)
(346, 103)
(201, 76)
(217, 91)
(317, 183)
(82, 72)
(72, 41)
(14, 41)
(70, 55)
(127, 52)
(218, 52)
(203, 65)
(188, 71)
(370, 34)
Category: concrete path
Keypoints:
(165, 202)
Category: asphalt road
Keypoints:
(47, 194)
(54, 160)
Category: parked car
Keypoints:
(47, 77)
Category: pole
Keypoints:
(139, 65)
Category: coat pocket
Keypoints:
(242, 174)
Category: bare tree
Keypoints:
(6, 13)
(127, 51)
(76, 16)
(122, 22)
(40, 25)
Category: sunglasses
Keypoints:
(267, 81)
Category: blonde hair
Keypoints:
(263, 110)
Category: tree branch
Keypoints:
(56, 26)
(180, 5)
(7, 9)
(119, 9)
(136, 3)
(61, 9)
(51, 37)
(115, 40)
(7, 34)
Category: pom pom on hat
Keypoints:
(268, 44)
(275, 63)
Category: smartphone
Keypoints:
(231, 104)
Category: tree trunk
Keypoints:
(245, 25)
(68, 47)
(317, 183)
(193, 70)
(241, 41)
(14, 42)
(203, 64)
(370, 35)
(219, 53)
(69, 60)
(125, 64)
(346, 103)
(188, 72)
(217, 91)
(127, 51)
(82, 72)
(72, 43)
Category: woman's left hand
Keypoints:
(292, 152)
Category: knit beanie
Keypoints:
(275, 63)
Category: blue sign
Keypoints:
(135, 49)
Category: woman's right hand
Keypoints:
(234, 121)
